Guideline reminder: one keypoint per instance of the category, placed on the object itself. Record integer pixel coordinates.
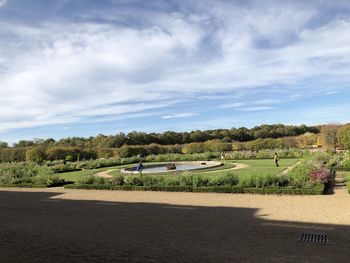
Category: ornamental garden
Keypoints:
(247, 167)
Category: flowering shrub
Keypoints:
(320, 176)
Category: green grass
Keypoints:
(226, 165)
(257, 167)
(264, 167)
(76, 175)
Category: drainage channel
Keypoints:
(314, 238)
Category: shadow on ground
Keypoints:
(36, 228)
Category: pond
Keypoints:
(179, 166)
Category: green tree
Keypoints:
(3, 144)
(328, 135)
(343, 136)
(35, 155)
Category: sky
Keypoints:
(85, 67)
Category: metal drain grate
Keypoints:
(314, 238)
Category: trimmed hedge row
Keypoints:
(285, 190)
(24, 185)
(220, 189)
(33, 185)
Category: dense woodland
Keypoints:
(142, 144)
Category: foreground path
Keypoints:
(59, 225)
(334, 209)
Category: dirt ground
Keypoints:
(59, 225)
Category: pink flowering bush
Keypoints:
(320, 176)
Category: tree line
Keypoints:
(264, 137)
(170, 137)
(41, 154)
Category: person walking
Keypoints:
(276, 159)
(139, 167)
(222, 157)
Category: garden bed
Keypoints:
(309, 177)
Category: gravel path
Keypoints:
(290, 168)
(105, 174)
(62, 225)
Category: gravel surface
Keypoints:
(62, 225)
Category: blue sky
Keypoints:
(84, 67)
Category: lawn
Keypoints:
(258, 167)
(263, 167)
(76, 175)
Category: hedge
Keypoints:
(286, 190)
(31, 185)
(24, 185)
(219, 189)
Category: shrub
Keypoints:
(149, 180)
(100, 181)
(117, 180)
(185, 179)
(320, 176)
(135, 180)
(200, 181)
(247, 181)
(27, 173)
(90, 179)
(170, 181)
(283, 181)
(48, 180)
(229, 179)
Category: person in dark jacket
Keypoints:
(139, 167)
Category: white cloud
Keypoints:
(267, 101)
(261, 108)
(178, 115)
(2, 2)
(68, 72)
(242, 105)
(233, 105)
